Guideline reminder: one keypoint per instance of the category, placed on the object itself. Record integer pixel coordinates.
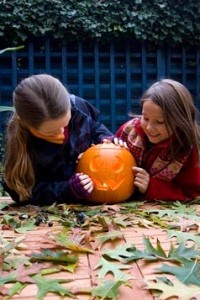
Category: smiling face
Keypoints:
(153, 123)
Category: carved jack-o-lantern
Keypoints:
(110, 168)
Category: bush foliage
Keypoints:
(158, 21)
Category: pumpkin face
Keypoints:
(110, 168)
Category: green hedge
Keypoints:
(158, 21)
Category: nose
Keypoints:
(61, 130)
(150, 126)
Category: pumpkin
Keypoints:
(110, 168)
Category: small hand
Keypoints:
(86, 182)
(142, 179)
(117, 141)
(80, 185)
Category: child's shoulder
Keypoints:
(132, 124)
(131, 127)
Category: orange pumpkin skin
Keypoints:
(110, 168)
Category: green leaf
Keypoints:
(182, 253)
(113, 235)
(8, 278)
(109, 267)
(183, 237)
(61, 257)
(150, 253)
(175, 209)
(46, 286)
(23, 227)
(15, 289)
(107, 290)
(3, 204)
(129, 252)
(188, 272)
(124, 253)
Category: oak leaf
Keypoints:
(184, 237)
(176, 289)
(188, 272)
(58, 256)
(107, 290)
(46, 286)
(110, 267)
(23, 274)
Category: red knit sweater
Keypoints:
(169, 179)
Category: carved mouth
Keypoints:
(111, 185)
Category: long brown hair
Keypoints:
(179, 112)
(36, 99)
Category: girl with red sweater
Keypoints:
(165, 142)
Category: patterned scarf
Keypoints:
(163, 166)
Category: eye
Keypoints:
(145, 119)
(160, 122)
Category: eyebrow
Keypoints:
(144, 115)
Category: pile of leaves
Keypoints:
(78, 229)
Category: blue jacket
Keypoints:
(54, 164)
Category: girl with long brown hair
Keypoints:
(47, 132)
(165, 142)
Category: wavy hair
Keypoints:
(36, 99)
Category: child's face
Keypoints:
(153, 123)
(55, 127)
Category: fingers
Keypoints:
(119, 142)
(139, 170)
(86, 182)
(107, 141)
(142, 179)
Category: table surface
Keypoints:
(97, 251)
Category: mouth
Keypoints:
(153, 135)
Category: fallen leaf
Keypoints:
(109, 267)
(23, 273)
(46, 286)
(177, 289)
(188, 272)
(109, 236)
(107, 290)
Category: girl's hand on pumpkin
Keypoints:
(107, 141)
(142, 179)
(86, 182)
(80, 185)
(117, 141)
